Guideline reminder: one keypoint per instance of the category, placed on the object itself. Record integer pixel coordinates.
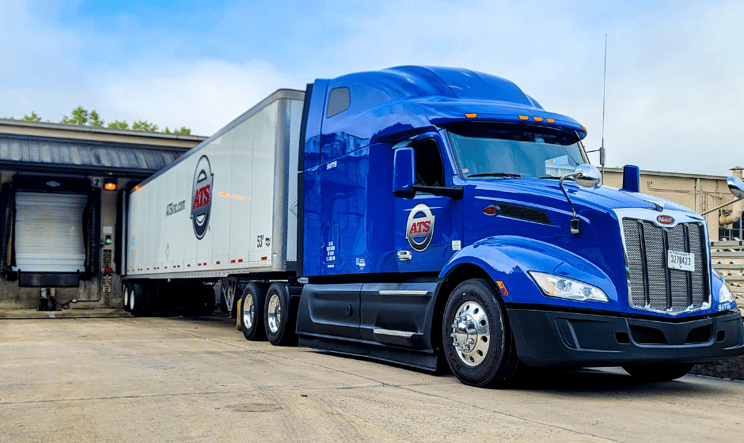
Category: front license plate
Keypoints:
(684, 261)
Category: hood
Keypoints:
(547, 193)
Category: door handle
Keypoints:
(404, 255)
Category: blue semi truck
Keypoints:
(423, 215)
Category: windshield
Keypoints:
(493, 150)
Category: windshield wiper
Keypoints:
(495, 174)
(550, 177)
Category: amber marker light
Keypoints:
(550, 120)
(523, 117)
(109, 185)
(584, 128)
(471, 115)
(537, 119)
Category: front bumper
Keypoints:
(550, 338)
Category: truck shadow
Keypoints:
(603, 381)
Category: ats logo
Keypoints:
(420, 227)
(201, 197)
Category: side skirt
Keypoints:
(416, 359)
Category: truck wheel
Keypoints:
(278, 316)
(136, 299)
(251, 307)
(127, 290)
(476, 335)
(658, 373)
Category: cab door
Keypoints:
(424, 234)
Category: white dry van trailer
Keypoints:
(227, 207)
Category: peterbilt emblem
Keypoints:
(420, 227)
(201, 197)
(491, 210)
(665, 219)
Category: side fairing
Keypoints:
(348, 216)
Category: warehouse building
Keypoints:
(60, 209)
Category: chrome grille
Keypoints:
(654, 286)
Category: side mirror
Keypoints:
(404, 173)
(735, 186)
(587, 175)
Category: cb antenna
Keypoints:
(604, 97)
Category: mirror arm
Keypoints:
(721, 206)
(454, 192)
(408, 193)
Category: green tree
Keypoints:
(116, 124)
(144, 125)
(83, 117)
(94, 120)
(79, 116)
(183, 130)
(32, 118)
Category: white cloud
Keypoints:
(674, 94)
(204, 96)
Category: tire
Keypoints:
(251, 310)
(137, 299)
(476, 335)
(658, 373)
(127, 289)
(278, 317)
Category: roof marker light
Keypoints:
(550, 120)
(537, 119)
(471, 115)
(523, 117)
(583, 127)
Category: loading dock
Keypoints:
(60, 209)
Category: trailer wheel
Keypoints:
(477, 339)
(251, 307)
(278, 317)
(127, 293)
(658, 373)
(137, 299)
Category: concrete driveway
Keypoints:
(197, 380)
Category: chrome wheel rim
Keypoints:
(274, 313)
(470, 333)
(248, 311)
(131, 301)
(126, 297)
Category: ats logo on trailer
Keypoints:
(201, 197)
(420, 227)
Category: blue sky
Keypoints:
(675, 95)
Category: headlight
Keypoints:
(562, 287)
(724, 295)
